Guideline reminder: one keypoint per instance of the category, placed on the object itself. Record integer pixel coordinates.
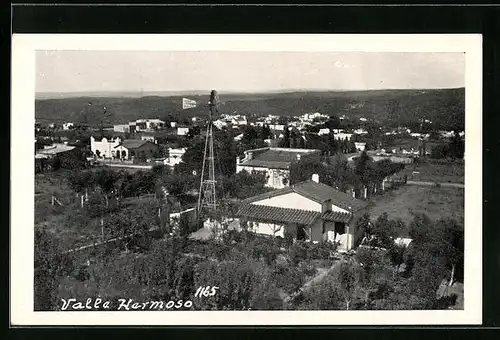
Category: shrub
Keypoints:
(263, 249)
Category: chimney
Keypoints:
(315, 178)
(250, 155)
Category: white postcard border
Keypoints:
(22, 173)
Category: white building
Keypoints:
(275, 162)
(363, 119)
(149, 138)
(67, 126)
(342, 136)
(360, 146)
(219, 124)
(146, 125)
(182, 131)
(173, 124)
(175, 156)
(104, 147)
(239, 120)
(121, 128)
(277, 127)
(360, 132)
(324, 132)
(310, 211)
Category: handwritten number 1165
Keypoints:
(206, 291)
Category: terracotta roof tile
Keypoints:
(276, 214)
(318, 192)
(337, 216)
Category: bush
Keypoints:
(298, 252)
(289, 278)
(301, 251)
(263, 249)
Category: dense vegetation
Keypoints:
(258, 273)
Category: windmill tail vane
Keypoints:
(188, 103)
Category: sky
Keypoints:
(135, 71)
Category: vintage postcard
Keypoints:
(246, 179)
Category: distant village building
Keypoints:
(239, 120)
(62, 152)
(173, 124)
(182, 131)
(68, 126)
(146, 125)
(239, 137)
(50, 151)
(360, 132)
(360, 146)
(130, 149)
(278, 128)
(121, 128)
(150, 138)
(104, 148)
(342, 136)
(175, 156)
(363, 119)
(309, 211)
(275, 162)
(220, 124)
(324, 132)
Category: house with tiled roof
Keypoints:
(275, 162)
(309, 210)
(135, 148)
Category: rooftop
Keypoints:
(55, 149)
(276, 158)
(275, 214)
(133, 143)
(318, 192)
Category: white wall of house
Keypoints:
(175, 156)
(291, 201)
(360, 146)
(121, 128)
(105, 146)
(342, 136)
(122, 152)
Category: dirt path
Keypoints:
(444, 184)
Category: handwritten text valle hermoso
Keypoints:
(131, 305)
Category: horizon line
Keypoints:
(198, 92)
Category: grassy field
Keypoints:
(69, 222)
(437, 171)
(433, 201)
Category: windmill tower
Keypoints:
(207, 198)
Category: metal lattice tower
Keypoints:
(207, 198)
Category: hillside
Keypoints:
(445, 107)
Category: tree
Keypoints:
(347, 277)
(451, 241)
(333, 122)
(456, 146)
(340, 172)
(286, 140)
(304, 169)
(361, 168)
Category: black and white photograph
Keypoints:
(190, 174)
